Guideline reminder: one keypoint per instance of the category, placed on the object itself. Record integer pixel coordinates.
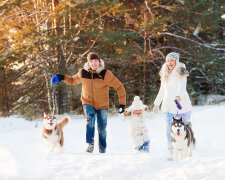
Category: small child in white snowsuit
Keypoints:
(139, 133)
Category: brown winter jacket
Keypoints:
(95, 86)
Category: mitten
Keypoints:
(121, 108)
(57, 78)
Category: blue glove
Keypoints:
(57, 78)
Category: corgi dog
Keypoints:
(52, 132)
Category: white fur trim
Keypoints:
(99, 68)
(52, 138)
(164, 73)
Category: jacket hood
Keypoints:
(99, 68)
(179, 70)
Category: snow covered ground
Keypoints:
(22, 156)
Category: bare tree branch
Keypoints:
(169, 8)
(25, 69)
(92, 45)
(157, 50)
(98, 18)
(185, 38)
(149, 9)
(35, 13)
(2, 12)
(194, 69)
(196, 32)
(138, 46)
(171, 47)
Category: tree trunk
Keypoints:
(63, 93)
(62, 101)
(48, 86)
(4, 106)
(144, 66)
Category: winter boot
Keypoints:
(146, 146)
(90, 148)
(101, 151)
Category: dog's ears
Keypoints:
(177, 119)
(45, 115)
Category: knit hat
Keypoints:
(173, 55)
(137, 104)
(92, 56)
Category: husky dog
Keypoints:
(182, 138)
(52, 132)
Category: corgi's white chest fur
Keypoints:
(52, 132)
(52, 138)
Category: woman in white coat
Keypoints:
(173, 87)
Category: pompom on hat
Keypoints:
(137, 104)
(173, 55)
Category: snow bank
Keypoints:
(22, 155)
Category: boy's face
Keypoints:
(94, 63)
(138, 112)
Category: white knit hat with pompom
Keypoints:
(137, 104)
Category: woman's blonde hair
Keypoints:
(179, 70)
(164, 73)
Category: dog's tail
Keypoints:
(63, 122)
(189, 127)
(188, 123)
(194, 143)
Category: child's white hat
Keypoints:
(137, 104)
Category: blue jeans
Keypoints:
(102, 114)
(169, 119)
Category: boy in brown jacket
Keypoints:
(95, 82)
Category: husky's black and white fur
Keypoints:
(182, 139)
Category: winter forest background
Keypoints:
(40, 38)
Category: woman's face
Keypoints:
(171, 63)
(94, 63)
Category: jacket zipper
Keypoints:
(92, 88)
